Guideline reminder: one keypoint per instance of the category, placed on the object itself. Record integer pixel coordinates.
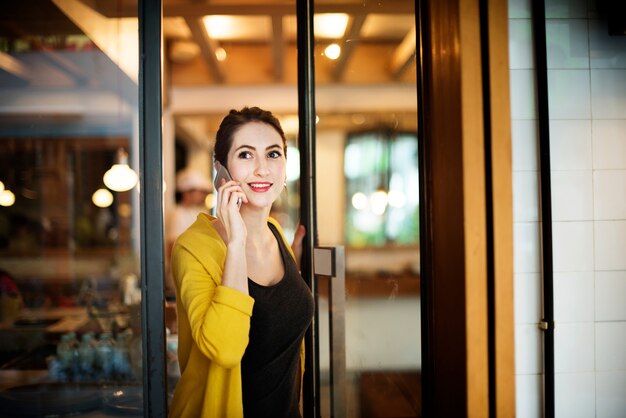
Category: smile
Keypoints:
(260, 187)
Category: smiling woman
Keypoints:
(243, 307)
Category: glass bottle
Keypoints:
(104, 355)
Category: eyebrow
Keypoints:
(253, 148)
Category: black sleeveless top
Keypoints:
(270, 366)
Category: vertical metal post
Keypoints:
(541, 66)
(151, 205)
(306, 146)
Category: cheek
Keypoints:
(237, 171)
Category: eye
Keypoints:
(244, 155)
(274, 154)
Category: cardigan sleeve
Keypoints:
(219, 316)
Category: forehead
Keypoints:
(256, 134)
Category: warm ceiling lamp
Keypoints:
(7, 198)
(229, 27)
(332, 51)
(102, 198)
(330, 25)
(220, 54)
(120, 177)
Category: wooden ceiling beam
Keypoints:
(348, 43)
(14, 67)
(278, 47)
(404, 55)
(175, 8)
(207, 47)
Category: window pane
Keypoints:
(69, 241)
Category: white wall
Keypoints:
(587, 90)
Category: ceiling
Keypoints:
(219, 43)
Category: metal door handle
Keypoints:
(330, 261)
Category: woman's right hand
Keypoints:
(227, 211)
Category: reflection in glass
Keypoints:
(367, 194)
(381, 180)
(68, 253)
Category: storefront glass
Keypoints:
(69, 220)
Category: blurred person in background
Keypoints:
(193, 187)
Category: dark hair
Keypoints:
(235, 120)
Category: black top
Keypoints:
(269, 369)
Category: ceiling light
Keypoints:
(7, 198)
(220, 54)
(102, 198)
(1, 186)
(332, 51)
(226, 27)
(330, 25)
(359, 201)
(120, 177)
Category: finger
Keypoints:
(296, 245)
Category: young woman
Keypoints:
(243, 307)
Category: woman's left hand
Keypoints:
(296, 245)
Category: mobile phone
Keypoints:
(222, 173)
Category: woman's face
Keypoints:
(257, 160)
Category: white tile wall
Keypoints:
(528, 392)
(574, 297)
(608, 94)
(526, 248)
(570, 144)
(605, 51)
(519, 9)
(609, 144)
(523, 104)
(572, 198)
(527, 297)
(610, 245)
(610, 295)
(574, 395)
(572, 247)
(525, 196)
(610, 343)
(609, 192)
(528, 340)
(574, 347)
(566, 8)
(567, 43)
(569, 93)
(524, 145)
(587, 93)
(610, 389)
(520, 44)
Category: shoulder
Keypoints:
(276, 225)
(201, 237)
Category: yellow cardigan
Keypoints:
(213, 326)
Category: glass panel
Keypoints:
(368, 198)
(69, 241)
(232, 55)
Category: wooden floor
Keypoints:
(390, 394)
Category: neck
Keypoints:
(256, 224)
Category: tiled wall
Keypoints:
(587, 91)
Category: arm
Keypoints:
(219, 316)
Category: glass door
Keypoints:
(70, 298)
(367, 191)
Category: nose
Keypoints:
(261, 168)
